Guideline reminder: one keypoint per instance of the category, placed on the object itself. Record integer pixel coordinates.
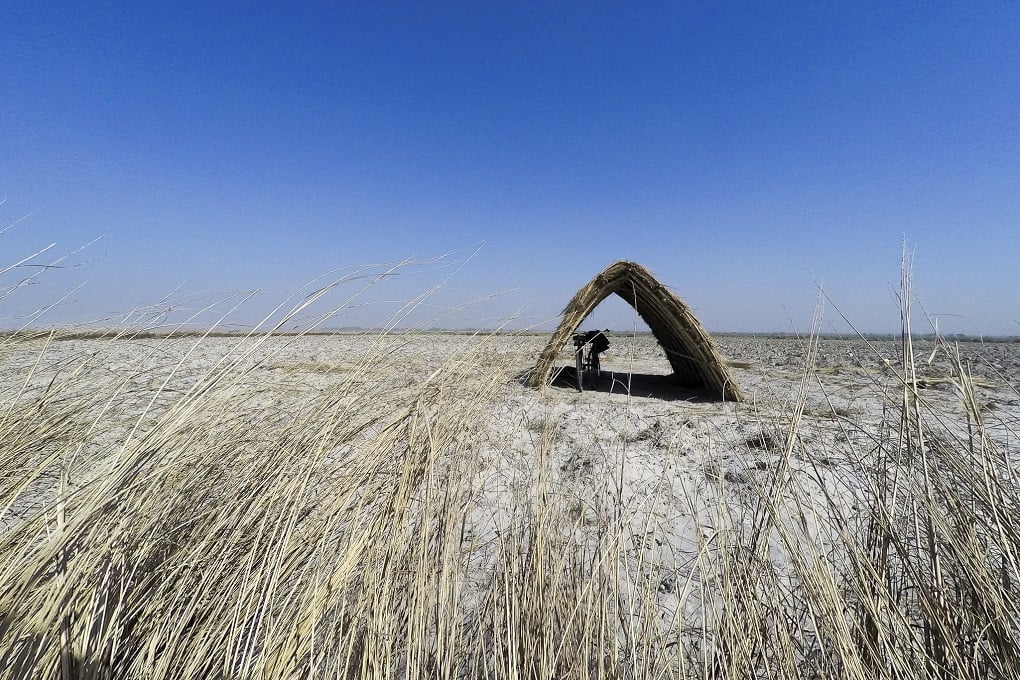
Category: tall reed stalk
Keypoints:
(174, 513)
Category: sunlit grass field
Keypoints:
(398, 505)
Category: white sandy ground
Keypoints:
(667, 457)
(658, 429)
(658, 459)
(665, 439)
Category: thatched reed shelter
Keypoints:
(688, 347)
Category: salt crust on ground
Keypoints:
(661, 457)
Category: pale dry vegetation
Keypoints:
(243, 507)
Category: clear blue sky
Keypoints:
(742, 152)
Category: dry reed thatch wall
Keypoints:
(687, 345)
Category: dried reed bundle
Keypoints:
(688, 347)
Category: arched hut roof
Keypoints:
(687, 345)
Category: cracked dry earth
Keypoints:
(662, 469)
(676, 470)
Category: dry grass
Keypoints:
(163, 521)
